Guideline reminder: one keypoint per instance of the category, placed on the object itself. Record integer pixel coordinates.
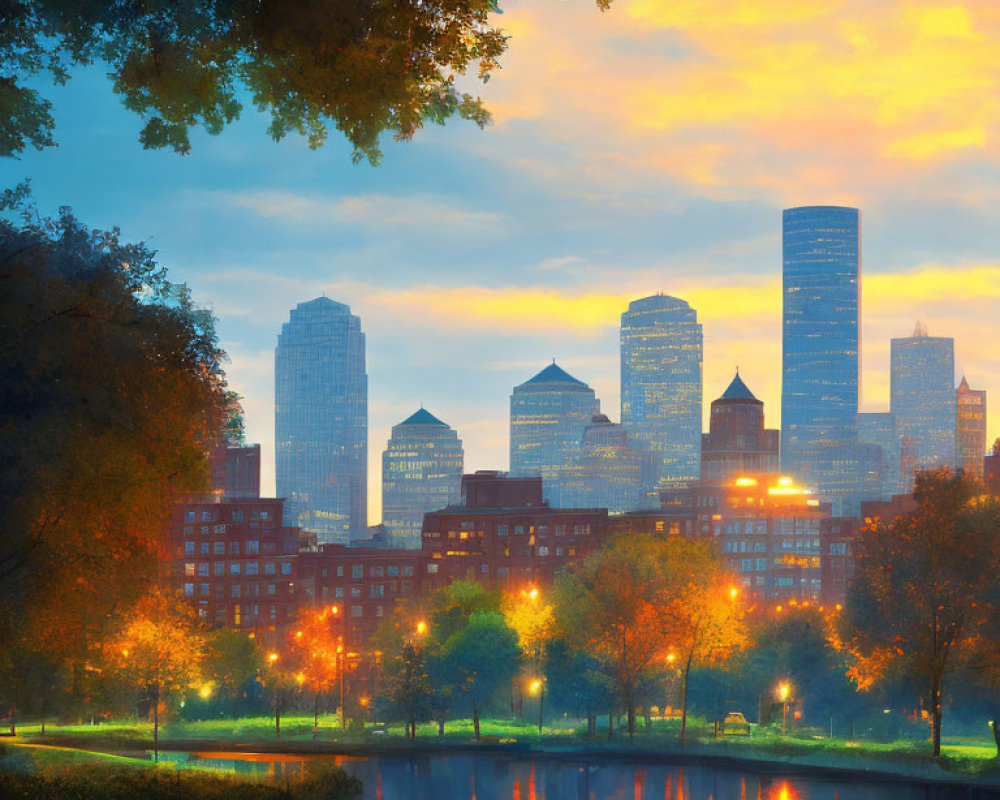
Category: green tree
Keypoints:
(924, 600)
(366, 67)
(452, 606)
(408, 686)
(112, 393)
(480, 659)
(577, 683)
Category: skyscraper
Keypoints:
(970, 433)
(321, 421)
(881, 456)
(548, 415)
(421, 471)
(922, 395)
(821, 336)
(661, 359)
(607, 472)
(737, 442)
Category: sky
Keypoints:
(648, 148)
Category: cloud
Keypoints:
(850, 98)
(368, 210)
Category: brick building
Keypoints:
(234, 561)
(504, 536)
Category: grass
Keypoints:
(964, 756)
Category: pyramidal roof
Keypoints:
(964, 385)
(737, 390)
(422, 417)
(553, 373)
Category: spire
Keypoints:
(964, 385)
(553, 373)
(920, 330)
(422, 417)
(737, 390)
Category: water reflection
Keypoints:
(459, 777)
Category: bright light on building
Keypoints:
(784, 480)
(746, 481)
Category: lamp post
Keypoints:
(537, 686)
(272, 660)
(783, 691)
(338, 613)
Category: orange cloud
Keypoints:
(728, 96)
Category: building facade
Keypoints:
(507, 546)
(321, 421)
(991, 469)
(970, 428)
(821, 336)
(661, 386)
(234, 561)
(608, 471)
(882, 457)
(235, 470)
(922, 396)
(421, 471)
(548, 415)
(737, 442)
(768, 533)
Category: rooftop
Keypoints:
(422, 417)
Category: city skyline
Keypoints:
(499, 249)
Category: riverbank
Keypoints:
(830, 759)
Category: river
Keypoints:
(488, 777)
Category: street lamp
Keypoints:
(783, 691)
(336, 611)
(272, 659)
(537, 686)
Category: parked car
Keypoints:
(736, 724)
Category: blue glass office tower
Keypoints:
(881, 456)
(548, 415)
(661, 384)
(321, 421)
(821, 336)
(421, 471)
(922, 395)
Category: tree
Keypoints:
(702, 610)
(577, 682)
(408, 686)
(160, 648)
(612, 608)
(641, 598)
(366, 67)
(313, 652)
(924, 600)
(480, 659)
(113, 392)
(452, 606)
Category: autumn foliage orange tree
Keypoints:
(925, 599)
(160, 648)
(315, 652)
(641, 598)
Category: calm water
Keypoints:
(461, 777)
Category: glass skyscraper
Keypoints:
(548, 415)
(421, 471)
(922, 395)
(661, 362)
(881, 454)
(970, 440)
(608, 471)
(821, 291)
(321, 421)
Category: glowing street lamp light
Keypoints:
(421, 628)
(784, 690)
(537, 686)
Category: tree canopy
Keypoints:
(113, 392)
(924, 600)
(365, 67)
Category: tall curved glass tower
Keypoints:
(821, 338)
(321, 421)
(661, 385)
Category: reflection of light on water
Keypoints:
(783, 791)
